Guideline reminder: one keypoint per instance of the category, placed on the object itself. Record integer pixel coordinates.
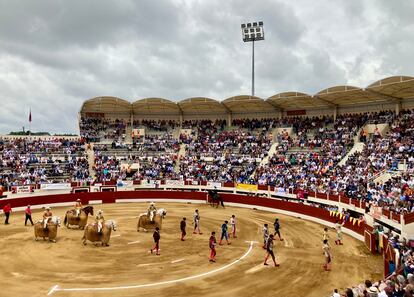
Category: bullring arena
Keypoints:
(127, 269)
(341, 159)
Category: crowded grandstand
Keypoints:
(341, 144)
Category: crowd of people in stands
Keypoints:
(316, 157)
(400, 281)
(27, 162)
(95, 129)
(397, 285)
(309, 159)
(319, 170)
(223, 156)
(157, 125)
(155, 155)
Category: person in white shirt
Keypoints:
(265, 235)
(233, 226)
(328, 255)
(338, 228)
(196, 222)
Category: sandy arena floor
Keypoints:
(30, 268)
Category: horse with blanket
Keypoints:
(214, 198)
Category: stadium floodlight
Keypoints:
(252, 32)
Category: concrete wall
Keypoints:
(33, 137)
(366, 108)
(383, 128)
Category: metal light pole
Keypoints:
(252, 32)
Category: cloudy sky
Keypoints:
(56, 54)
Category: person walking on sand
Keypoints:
(212, 244)
(156, 235)
(183, 224)
(7, 210)
(28, 213)
(269, 250)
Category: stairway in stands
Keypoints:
(270, 154)
(90, 154)
(265, 160)
(128, 134)
(358, 147)
(181, 153)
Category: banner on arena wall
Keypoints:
(174, 183)
(193, 182)
(376, 212)
(62, 186)
(147, 183)
(300, 194)
(22, 189)
(280, 190)
(128, 183)
(124, 183)
(214, 184)
(246, 187)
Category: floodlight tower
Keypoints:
(252, 32)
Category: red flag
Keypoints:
(30, 116)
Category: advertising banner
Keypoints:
(22, 189)
(174, 183)
(214, 184)
(280, 190)
(62, 186)
(148, 183)
(246, 187)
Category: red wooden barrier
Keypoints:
(386, 213)
(109, 183)
(409, 218)
(363, 204)
(396, 217)
(110, 197)
(355, 202)
(334, 198)
(322, 196)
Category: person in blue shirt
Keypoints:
(277, 229)
(224, 233)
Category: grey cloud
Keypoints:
(56, 54)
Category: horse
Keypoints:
(50, 232)
(144, 222)
(215, 198)
(72, 219)
(91, 232)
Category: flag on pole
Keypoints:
(30, 116)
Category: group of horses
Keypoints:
(90, 230)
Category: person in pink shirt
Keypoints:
(28, 213)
